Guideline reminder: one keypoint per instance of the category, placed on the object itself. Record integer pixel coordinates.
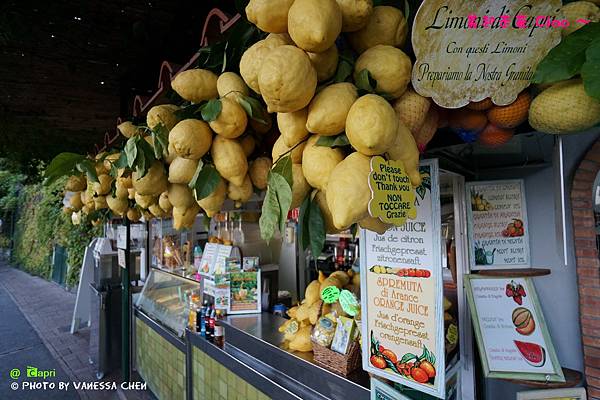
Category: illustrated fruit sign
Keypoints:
(245, 293)
(497, 225)
(510, 329)
(468, 51)
(402, 295)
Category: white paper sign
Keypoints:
(209, 256)
(402, 294)
(510, 328)
(121, 258)
(498, 227)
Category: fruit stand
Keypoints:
(343, 122)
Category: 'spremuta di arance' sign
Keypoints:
(470, 50)
(402, 294)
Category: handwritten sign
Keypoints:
(330, 294)
(498, 228)
(511, 330)
(468, 51)
(392, 196)
(401, 294)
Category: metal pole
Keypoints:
(125, 308)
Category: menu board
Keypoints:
(245, 293)
(213, 259)
(471, 50)
(498, 227)
(510, 329)
(402, 295)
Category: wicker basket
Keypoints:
(343, 364)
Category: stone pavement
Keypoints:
(48, 309)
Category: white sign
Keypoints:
(470, 50)
(498, 227)
(510, 328)
(122, 237)
(121, 258)
(402, 295)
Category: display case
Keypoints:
(165, 298)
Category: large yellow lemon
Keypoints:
(287, 79)
(371, 125)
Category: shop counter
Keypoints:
(251, 365)
(256, 337)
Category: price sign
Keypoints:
(330, 294)
(349, 303)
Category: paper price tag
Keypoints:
(330, 294)
(348, 302)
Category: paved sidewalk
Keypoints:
(48, 309)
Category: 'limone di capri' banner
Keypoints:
(402, 296)
(471, 50)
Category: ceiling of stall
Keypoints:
(69, 68)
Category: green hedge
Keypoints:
(41, 224)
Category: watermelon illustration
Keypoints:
(534, 354)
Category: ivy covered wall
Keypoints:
(41, 224)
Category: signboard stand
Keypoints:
(402, 296)
(511, 332)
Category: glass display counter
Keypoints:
(165, 298)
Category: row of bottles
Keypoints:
(228, 231)
(205, 321)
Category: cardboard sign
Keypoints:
(402, 297)
(392, 195)
(511, 330)
(468, 51)
(498, 228)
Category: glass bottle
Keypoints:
(238, 234)
(226, 235)
(219, 338)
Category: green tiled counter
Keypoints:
(212, 381)
(159, 363)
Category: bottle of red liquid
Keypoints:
(210, 333)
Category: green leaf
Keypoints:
(254, 109)
(344, 70)
(590, 71)
(565, 60)
(206, 181)
(192, 183)
(160, 140)
(269, 216)
(407, 357)
(121, 161)
(304, 223)
(145, 157)
(190, 111)
(354, 230)
(365, 82)
(316, 228)
(62, 165)
(211, 110)
(340, 140)
(283, 190)
(131, 150)
(283, 167)
(89, 168)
